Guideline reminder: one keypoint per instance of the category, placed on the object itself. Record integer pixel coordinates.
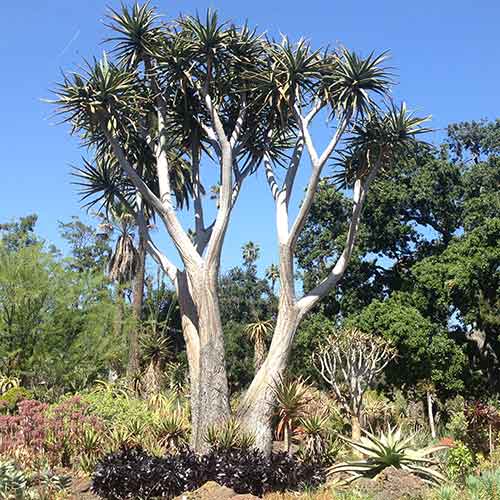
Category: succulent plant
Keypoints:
(228, 436)
(390, 449)
(13, 482)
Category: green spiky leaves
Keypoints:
(390, 449)
(137, 33)
(377, 141)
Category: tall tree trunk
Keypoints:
(133, 366)
(119, 312)
(431, 414)
(256, 409)
(355, 427)
(202, 330)
(259, 355)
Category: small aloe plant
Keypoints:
(229, 435)
(390, 449)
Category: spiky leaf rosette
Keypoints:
(377, 142)
(390, 449)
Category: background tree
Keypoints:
(18, 234)
(273, 274)
(251, 253)
(349, 360)
(90, 248)
(416, 273)
(55, 322)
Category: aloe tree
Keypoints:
(198, 92)
(349, 361)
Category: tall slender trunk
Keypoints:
(202, 330)
(133, 366)
(119, 312)
(256, 409)
(431, 415)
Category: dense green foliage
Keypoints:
(55, 320)
(425, 274)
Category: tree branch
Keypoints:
(308, 301)
(317, 168)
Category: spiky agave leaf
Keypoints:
(390, 449)
(292, 398)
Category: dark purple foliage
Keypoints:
(132, 473)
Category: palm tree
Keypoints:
(250, 252)
(273, 275)
(258, 333)
(127, 266)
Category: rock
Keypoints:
(214, 491)
(80, 489)
(393, 484)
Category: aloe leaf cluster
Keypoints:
(390, 449)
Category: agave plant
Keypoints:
(161, 403)
(391, 449)
(317, 442)
(13, 482)
(119, 437)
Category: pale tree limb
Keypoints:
(361, 186)
(214, 246)
(270, 177)
(199, 220)
(164, 210)
(317, 167)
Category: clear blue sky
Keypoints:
(447, 55)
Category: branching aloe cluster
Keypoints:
(174, 98)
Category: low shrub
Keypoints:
(116, 408)
(486, 485)
(58, 433)
(459, 462)
(133, 473)
(10, 399)
(483, 421)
